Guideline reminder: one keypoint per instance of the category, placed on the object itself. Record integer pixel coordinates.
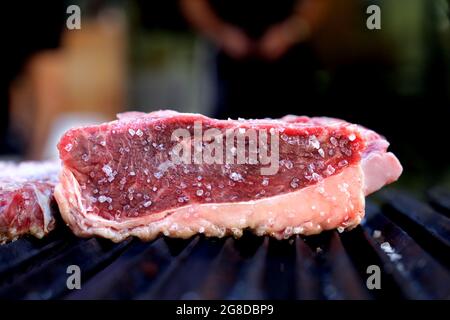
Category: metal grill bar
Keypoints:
(249, 279)
(343, 277)
(222, 273)
(414, 264)
(184, 283)
(308, 283)
(15, 254)
(414, 271)
(171, 270)
(132, 272)
(430, 228)
(439, 198)
(47, 279)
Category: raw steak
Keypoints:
(26, 198)
(121, 179)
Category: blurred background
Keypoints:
(229, 58)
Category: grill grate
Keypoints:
(326, 266)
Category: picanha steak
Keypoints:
(180, 174)
(26, 199)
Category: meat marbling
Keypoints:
(26, 199)
(119, 179)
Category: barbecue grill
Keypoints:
(408, 238)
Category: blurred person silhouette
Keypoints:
(265, 65)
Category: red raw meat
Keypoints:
(119, 178)
(26, 199)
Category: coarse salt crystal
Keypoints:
(322, 153)
(386, 246)
(147, 204)
(235, 176)
(107, 170)
(68, 147)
